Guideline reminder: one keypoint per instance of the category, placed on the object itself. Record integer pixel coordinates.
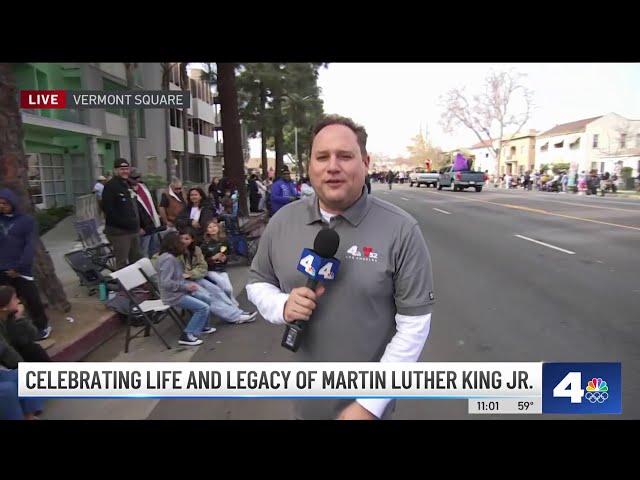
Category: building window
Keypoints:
(152, 165)
(595, 140)
(110, 86)
(47, 180)
(623, 140)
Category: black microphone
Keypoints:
(319, 266)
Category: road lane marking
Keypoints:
(544, 212)
(442, 211)
(588, 206)
(404, 199)
(546, 245)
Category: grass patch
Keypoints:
(47, 219)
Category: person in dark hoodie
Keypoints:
(18, 234)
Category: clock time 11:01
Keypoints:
(488, 406)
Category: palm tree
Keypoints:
(184, 80)
(132, 113)
(14, 175)
(170, 164)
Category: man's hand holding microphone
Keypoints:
(301, 303)
(318, 265)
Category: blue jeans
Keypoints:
(219, 304)
(199, 313)
(214, 291)
(221, 279)
(11, 406)
(150, 245)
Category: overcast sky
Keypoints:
(393, 101)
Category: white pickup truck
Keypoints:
(420, 176)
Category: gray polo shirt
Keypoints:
(385, 269)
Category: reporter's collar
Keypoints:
(354, 214)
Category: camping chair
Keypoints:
(244, 240)
(85, 268)
(152, 311)
(150, 273)
(99, 250)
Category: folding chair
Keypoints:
(150, 273)
(85, 268)
(99, 250)
(152, 311)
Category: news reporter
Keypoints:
(379, 306)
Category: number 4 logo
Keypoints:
(570, 387)
(326, 272)
(307, 263)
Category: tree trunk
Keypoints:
(132, 117)
(14, 175)
(265, 159)
(233, 158)
(184, 79)
(263, 132)
(170, 164)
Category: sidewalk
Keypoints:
(146, 349)
(89, 323)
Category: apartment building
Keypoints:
(68, 149)
(204, 129)
(518, 153)
(606, 144)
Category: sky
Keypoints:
(395, 100)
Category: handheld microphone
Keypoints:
(318, 265)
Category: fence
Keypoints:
(87, 208)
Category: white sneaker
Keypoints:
(209, 330)
(189, 339)
(247, 318)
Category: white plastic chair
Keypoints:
(130, 278)
(148, 270)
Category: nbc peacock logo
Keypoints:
(597, 391)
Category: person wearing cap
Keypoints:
(283, 191)
(122, 220)
(149, 218)
(378, 307)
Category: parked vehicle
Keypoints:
(461, 180)
(420, 176)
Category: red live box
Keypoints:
(43, 99)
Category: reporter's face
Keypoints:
(337, 168)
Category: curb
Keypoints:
(84, 345)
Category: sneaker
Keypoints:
(189, 339)
(247, 318)
(44, 334)
(209, 330)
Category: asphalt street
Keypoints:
(519, 276)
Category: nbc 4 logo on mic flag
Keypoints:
(582, 388)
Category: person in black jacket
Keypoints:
(197, 213)
(122, 221)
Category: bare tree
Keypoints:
(504, 106)
(619, 139)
